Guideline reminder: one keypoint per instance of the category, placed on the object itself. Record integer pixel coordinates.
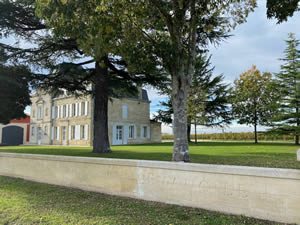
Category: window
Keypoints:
(70, 110)
(82, 108)
(40, 113)
(82, 132)
(53, 112)
(46, 130)
(73, 110)
(131, 131)
(56, 133)
(72, 132)
(39, 133)
(86, 108)
(64, 111)
(119, 133)
(124, 111)
(145, 131)
(32, 131)
(57, 112)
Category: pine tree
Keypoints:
(287, 120)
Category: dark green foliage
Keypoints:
(281, 10)
(216, 110)
(60, 57)
(216, 106)
(14, 94)
(287, 120)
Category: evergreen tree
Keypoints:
(287, 120)
(66, 60)
(254, 99)
(196, 108)
(15, 93)
(207, 102)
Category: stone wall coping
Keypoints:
(181, 166)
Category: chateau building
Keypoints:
(67, 120)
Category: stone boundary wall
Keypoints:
(298, 155)
(266, 193)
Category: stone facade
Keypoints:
(67, 120)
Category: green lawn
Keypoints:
(23, 202)
(266, 154)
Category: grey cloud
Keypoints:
(259, 41)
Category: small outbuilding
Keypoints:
(16, 132)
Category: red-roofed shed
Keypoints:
(16, 132)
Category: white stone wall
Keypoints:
(298, 155)
(266, 193)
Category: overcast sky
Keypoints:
(259, 41)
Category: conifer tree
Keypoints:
(287, 121)
(69, 61)
(208, 103)
(15, 93)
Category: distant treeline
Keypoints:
(244, 136)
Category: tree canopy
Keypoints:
(282, 10)
(254, 98)
(15, 93)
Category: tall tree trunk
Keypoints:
(255, 124)
(297, 140)
(189, 132)
(101, 139)
(255, 134)
(180, 90)
(196, 141)
(298, 125)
